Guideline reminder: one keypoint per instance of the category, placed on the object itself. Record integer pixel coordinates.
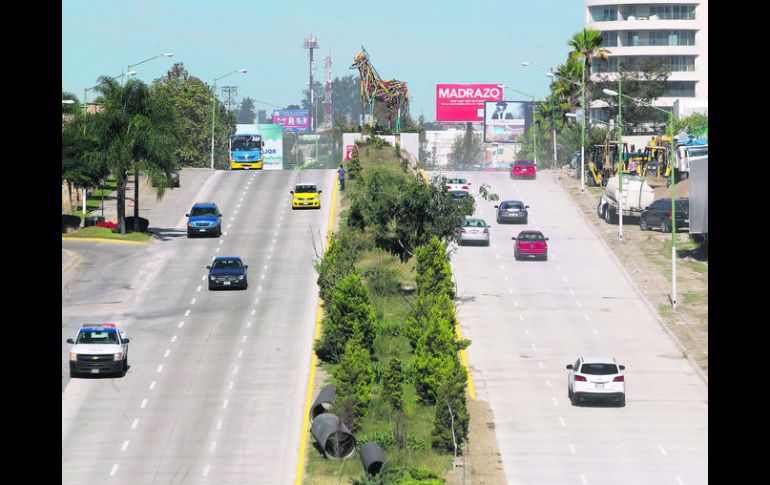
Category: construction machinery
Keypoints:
(603, 161)
(655, 163)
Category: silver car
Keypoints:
(474, 231)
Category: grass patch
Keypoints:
(104, 233)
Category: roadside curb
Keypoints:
(99, 239)
(631, 282)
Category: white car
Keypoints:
(457, 184)
(474, 231)
(599, 379)
(99, 348)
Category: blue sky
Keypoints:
(421, 42)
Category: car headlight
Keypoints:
(118, 356)
(73, 356)
(212, 278)
(241, 277)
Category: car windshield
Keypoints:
(475, 223)
(456, 181)
(305, 189)
(227, 264)
(599, 369)
(97, 337)
(531, 236)
(512, 204)
(203, 211)
(520, 163)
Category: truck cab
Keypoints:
(99, 349)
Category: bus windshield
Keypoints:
(246, 143)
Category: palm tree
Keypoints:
(134, 131)
(587, 45)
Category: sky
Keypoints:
(420, 42)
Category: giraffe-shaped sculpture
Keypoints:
(392, 92)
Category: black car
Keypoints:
(228, 272)
(512, 211)
(658, 214)
(458, 195)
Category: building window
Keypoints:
(680, 89)
(682, 63)
(605, 65)
(604, 14)
(610, 38)
(672, 12)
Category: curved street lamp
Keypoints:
(672, 164)
(213, 108)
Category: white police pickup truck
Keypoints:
(99, 349)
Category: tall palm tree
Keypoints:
(134, 131)
(587, 44)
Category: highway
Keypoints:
(217, 382)
(528, 319)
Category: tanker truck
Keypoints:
(637, 195)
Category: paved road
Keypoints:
(529, 319)
(217, 380)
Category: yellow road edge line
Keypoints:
(314, 359)
(463, 356)
(99, 239)
(71, 265)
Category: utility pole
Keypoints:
(311, 43)
(327, 124)
(230, 92)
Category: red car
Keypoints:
(523, 169)
(530, 244)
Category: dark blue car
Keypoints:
(228, 272)
(204, 218)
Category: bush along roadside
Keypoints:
(398, 383)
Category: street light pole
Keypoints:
(620, 156)
(533, 112)
(213, 109)
(672, 166)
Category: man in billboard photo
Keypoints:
(500, 112)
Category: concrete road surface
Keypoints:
(217, 381)
(529, 319)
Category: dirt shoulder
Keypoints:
(646, 256)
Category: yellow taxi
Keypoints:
(305, 196)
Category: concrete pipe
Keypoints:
(333, 437)
(372, 457)
(323, 402)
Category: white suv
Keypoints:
(598, 379)
(99, 349)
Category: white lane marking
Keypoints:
(555, 402)
(526, 330)
(662, 451)
(192, 302)
(498, 256)
(241, 200)
(181, 324)
(232, 219)
(197, 290)
(248, 324)
(273, 242)
(188, 311)
(265, 267)
(240, 354)
(595, 331)
(224, 404)
(125, 445)
(135, 423)
(579, 305)
(506, 279)
(583, 480)
(564, 278)
(235, 211)
(540, 364)
(160, 367)
(572, 449)
(230, 385)
(114, 469)
(262, 277)
(533, 347)
(679, 480)
(224, 233)
(253, 312)
(521, 317)
(212, 446)
(239, 205)
(144, 403)
(221, 241)
(259, 288)
(228, 226)
(510, 291)
(206, 470)
(235, 369)
(165, 354)
(256, 301)
(152, 385)
(586, 317)
(515, 303)
(219, 424)
(558, 267)
(561, 420)
(218, 249)
(548, 383)
(173, 339)
(502, 268)
(571, 291)
(203, 278)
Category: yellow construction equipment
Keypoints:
(603, 161)
(656, 166)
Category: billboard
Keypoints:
(464, 102)
(293, 120)
(273, 149)
(506, 121)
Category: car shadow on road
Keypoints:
(167, 234)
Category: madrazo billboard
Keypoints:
(506, 121)
(464, 102)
